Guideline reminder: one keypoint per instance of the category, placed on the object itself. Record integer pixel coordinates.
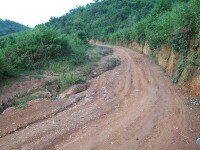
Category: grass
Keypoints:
(17, 76)
(106, 51)
(71, 74)
(70, 79)
(37, 76)
(59, 66)
(11, 81)
(23, 103)
(24, 94)
(193, 102)
(21, 99)
(1, 92)
(111, 63)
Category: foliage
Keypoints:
(179, 69)
(8, 27)
(70, 79)
(71, 73)
(111, 63)
(193, 102)
(35, 48)
(180, 42)
(22, 103)
(192, 61)
(102, 18)
(29, 50)
(156, 22)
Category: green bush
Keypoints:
(30, 49)
(5, 67)
(40, 47)
(180, 42)
(70, 79)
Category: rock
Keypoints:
(198, 142)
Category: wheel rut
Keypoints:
(135, 106)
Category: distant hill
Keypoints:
(8, 27)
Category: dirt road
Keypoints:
(132, 107)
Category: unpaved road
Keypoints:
(133, 107)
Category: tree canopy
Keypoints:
(8, 27)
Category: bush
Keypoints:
(5, 67)
(30, 49)
(111, 63)
(70, 79)
(160, 29)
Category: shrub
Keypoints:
(5, 67)
(30, 49)
(70, 79)
(111, 63)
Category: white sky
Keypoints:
(33, 12)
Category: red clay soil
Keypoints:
(132, 107)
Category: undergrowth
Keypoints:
(111, 63)
(74, 73)
(193, 102)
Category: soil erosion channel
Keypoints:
(134, 106)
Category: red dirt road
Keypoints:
(132, 107)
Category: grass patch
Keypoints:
(11, 81)
(24, 94)
(70, 79)
(111, 63)
(37, 76)
(59, 66)
(105, 51)
(18, 77)
(193, 102)
(1, 92)
(21, 99)
(75, 71)
(51, 81)
(23, 103)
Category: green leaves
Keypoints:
(32, 48)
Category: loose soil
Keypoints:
(132, 107)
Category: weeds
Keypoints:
(70, 79)
(37, 76)
(74, 72)
(24, 94)
(111, 63)
(193, 102)
(21, 99)
(59, 66)
(105, 51)
(167, 56)
(23, 103)
(179, 69)
(1, 92)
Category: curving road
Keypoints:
(132, 107)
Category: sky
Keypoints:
(33, 12)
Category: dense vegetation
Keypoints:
(157, 22)
(168, 24)
(97, 20)
(35, 48)
(128, 20)
(8, 27)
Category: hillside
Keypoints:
(97, 20)
(153, 24)
(102, 76)
(8, 27)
